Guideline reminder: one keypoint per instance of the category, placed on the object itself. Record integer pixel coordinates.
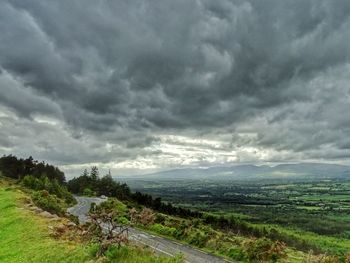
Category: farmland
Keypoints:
(316, 210)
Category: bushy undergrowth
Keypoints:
(198, 232)
(163, 230)
(108, 233)
(264, 249)
(48, 202)
(51, 186)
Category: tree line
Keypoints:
(18, 168)
(90, 183)
(43, 176)
(47, 182)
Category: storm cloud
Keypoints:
(158, 84)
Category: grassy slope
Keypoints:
(227, 241)
(231, 242)
(24, 237)
(328, 244)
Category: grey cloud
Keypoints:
(24, 100)
(119, 72)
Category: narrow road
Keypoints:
(158, 244)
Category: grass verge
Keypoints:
(24, 237)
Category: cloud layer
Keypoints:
(157, 84)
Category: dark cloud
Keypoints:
(117, 75)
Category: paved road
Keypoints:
(158, 244)
(81, 209)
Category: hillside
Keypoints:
(37, 202)
(234, 240)
(25, 235)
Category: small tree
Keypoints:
(263, 249)
(88, 192)
(146, 217)
(85, 173)
(94, 173)
(105, 230)
(133, 215)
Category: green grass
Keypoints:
(331, 245)
(24, 237)
(138, 255)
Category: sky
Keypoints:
(143, 85)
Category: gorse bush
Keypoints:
(163, 230)
(236, 253)
(48, 202)
(88, 192)
(123, 220)
(198, 239)
(263, 249)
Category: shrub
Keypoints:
(122, 220)
(160, 219)
(31, 182)
(105, 231)
(263, 249)
(52, 186)
(146, 217)
(93, 249)
(157, 228)
(236, 254)
(198, 239)
(323, 258)
(88, 192)
(331, 259)
(163, 230)
(48, 202)
(347, 258)
(112, 253)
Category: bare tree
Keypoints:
(145, 217)
(106, 231)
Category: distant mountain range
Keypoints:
(255, 172)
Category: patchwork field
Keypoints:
(316, 211)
